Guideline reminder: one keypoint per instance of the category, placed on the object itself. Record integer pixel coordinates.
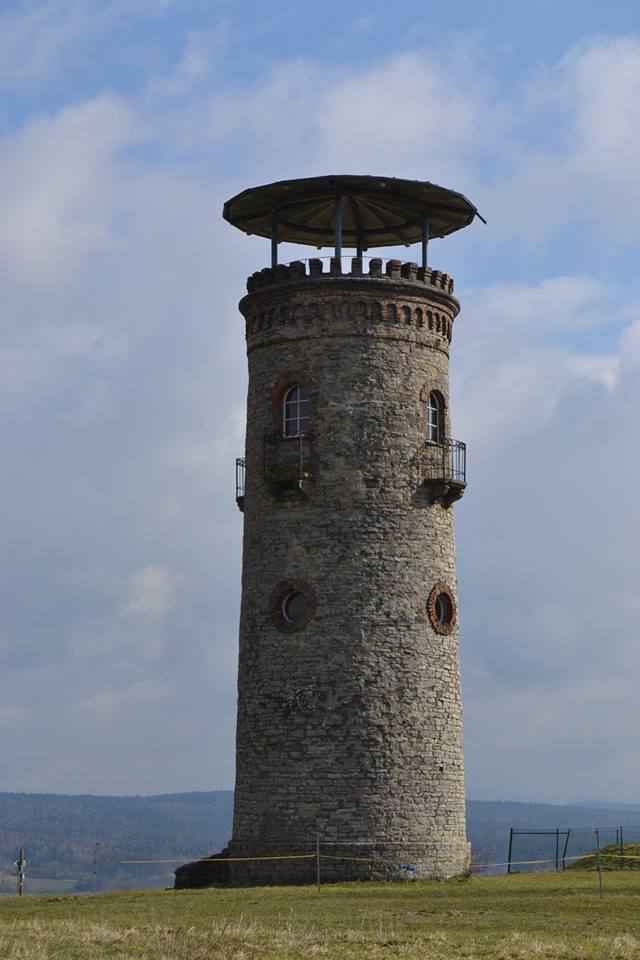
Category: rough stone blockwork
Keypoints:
(350, 726)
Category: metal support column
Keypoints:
(425, 240)
(274, 239)
(357, 221)
(338, 223)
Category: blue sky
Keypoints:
(124, 127)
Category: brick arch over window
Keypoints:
(281, 390)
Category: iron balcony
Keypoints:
(443, 467)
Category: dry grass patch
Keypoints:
(555, 917)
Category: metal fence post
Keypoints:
(564, 852)
(318, 862)
(510, 848)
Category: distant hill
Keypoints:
(489, 823)
(60, 834)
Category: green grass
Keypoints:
(544, 916)
(610, 858)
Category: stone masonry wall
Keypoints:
(349, 727)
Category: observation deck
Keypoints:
(359, 212)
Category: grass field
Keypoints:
(521, 916)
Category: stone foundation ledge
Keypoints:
(313, 269)
(338, 863)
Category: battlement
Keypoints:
(378, 269)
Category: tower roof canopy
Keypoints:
(375, 211)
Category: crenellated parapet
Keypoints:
(374, 268)
(392, 299)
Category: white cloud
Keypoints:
(514, 347)
(36, 37)
(151, 593)
(574, 143)
(430, 114)
(31, 39)
(630, 348)
(107, 702)
(197, 64)
(53, 175)
(602, 369)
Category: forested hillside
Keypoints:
(60, 833)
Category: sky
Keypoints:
(124, 126)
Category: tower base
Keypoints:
(269, 864)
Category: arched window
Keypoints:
(296, 410)
(435, 417)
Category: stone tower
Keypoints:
(349, 715)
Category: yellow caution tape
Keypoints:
(295, 856)
(328, 856)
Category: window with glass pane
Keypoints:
(296, 411)
(435, 418)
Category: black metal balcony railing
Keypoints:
(287, 460)
(240, 472)
(444, 465)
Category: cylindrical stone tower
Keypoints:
(349, 715)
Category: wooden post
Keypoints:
(599, 861)
(21, 866)
(621, 850)
(95, 868)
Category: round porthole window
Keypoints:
(441, 606)
(444, 609)
(293, 603)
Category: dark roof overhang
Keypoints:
(376, 211)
